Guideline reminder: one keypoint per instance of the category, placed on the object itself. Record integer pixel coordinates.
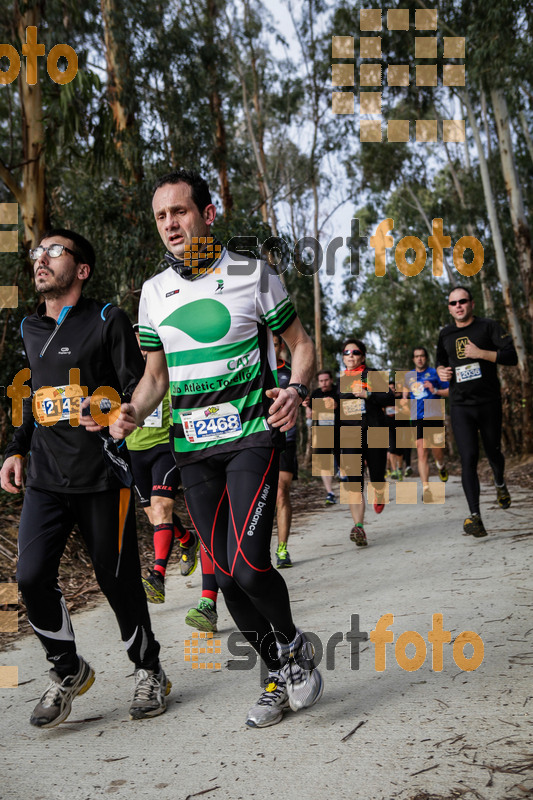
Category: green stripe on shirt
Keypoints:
(203, 355)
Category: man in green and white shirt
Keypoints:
(206, 323)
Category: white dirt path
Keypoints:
(419, 731)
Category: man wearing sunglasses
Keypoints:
(74, 345)
(468, 352)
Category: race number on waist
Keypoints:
(211, 424)
(468, 372)
(54, 403)
(155, 420)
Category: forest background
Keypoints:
(242, 91)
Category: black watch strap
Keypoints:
(302, 390)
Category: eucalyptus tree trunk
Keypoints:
(220, 151)
(30, 190)
(501, 263)
(519, 220)
(487, 297)
(121, 88)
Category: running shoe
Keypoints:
(56, 702)
(359, 536)
(204, 617)
(273, 701)
(379, 504)
(189, 555)
(427, 497)
(473, 526)
(408, 472)
(443, 474)
(503, 497)
(304, 681)
(151, 688)
(330, 499)
(283, 559)
(154, 587)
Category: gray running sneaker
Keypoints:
(151, 688)
(56, 702)
(189, 555)
(304, 681)
(204, 617)
(273, 701)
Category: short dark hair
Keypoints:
(358, 342)
(464, 288)
(82, 246)
(324, 372)
(418, 347)
(199, 187)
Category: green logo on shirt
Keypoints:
(204, 321)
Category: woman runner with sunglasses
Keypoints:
(361, 408)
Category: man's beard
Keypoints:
(62, 284)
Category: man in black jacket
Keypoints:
(76, 346)
(468, 352)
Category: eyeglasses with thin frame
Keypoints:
(53, 250)
(352, 353)
(461, 302)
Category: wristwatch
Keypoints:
(302, 390)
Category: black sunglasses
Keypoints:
(462, 302)
(352, 353)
